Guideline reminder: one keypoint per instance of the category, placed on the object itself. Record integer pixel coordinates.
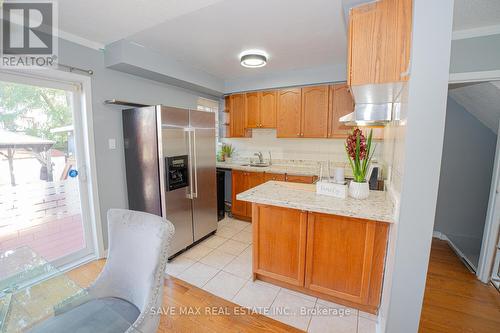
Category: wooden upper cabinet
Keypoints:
(379, 42)
(307, 112)
(344, 257)
(253, 110)
(289, 113)
(315, 112)
(341, 104)
(268, 108)
(226, 118)
(237, 115)
(362, 39)
(279, 245)
(261, 109)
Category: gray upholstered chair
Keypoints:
(130, 285)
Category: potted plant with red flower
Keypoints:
(359, 153)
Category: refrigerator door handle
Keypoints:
(190, 161)
(195, 167)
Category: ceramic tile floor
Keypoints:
(222, 265)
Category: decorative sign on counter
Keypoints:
(331, 189)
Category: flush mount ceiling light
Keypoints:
(253, 58)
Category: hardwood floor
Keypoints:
(179, 294)
(454, 300)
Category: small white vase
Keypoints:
(229, 160)
(359, 190)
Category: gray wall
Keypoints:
(106, 84)
(475, 54)
(129, 57)
(466, 169)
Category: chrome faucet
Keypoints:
(261, 158)
(270, 158)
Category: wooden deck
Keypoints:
(45, 216)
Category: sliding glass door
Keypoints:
(43, 204)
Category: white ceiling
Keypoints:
(106, 21)
(209, 34)
(471, 14)
(482, 100)
(296, 34)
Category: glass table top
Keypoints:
(32, 290)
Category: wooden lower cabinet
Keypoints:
(345, 257)
(280, 177)
(279, 243)
(253, 179)
(338, 258)
(242, 181)
(300, 179)
(245, 180)
(239, 184)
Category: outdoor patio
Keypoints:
(42, 214)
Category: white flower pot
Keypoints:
(229, 160)
(359, 190)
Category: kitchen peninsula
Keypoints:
(323, 246)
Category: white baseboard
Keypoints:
(439, 235)
(442, 236)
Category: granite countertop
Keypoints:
(377, 207)
(298, 170)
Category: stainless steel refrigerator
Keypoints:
(170, 164)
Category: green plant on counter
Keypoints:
(220, 156)
(359, 151)
(227, 150)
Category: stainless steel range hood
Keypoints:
(371, 114)
(375, 104)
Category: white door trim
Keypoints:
(474, 76)
(492, 224)
(85, 92)
(476, 32)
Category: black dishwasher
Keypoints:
(220, 194)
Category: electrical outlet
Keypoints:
(112, 143)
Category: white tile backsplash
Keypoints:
(264, 140)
